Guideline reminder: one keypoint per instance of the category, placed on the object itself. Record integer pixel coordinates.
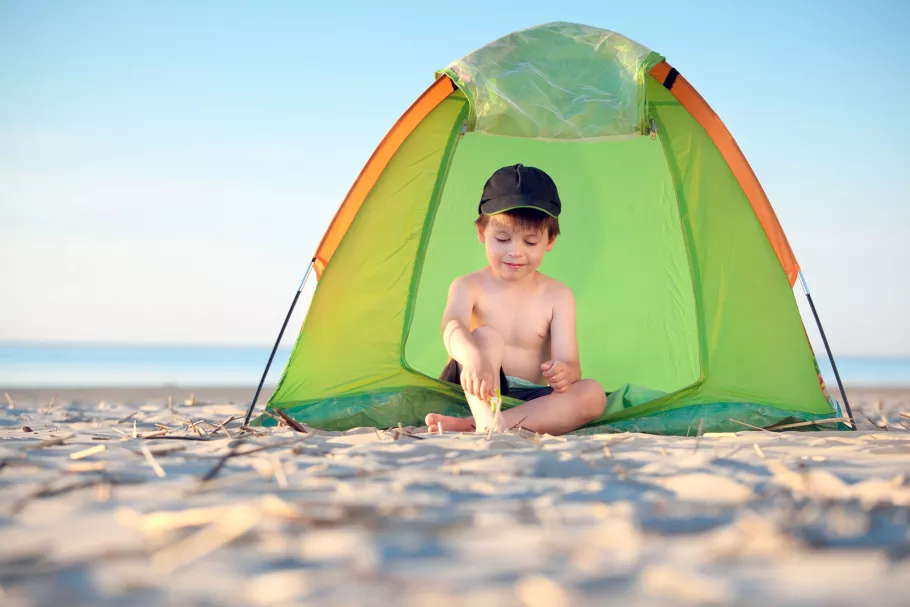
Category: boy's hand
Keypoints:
(558, 375)
(478, 380)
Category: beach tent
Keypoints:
(682, 275)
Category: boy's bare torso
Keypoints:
(521, 313)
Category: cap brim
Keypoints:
(495, 206)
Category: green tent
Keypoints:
(682, 274)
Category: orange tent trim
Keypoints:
(700, 110)
(420, 109)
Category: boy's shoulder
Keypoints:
(467, 281)
(556, 290)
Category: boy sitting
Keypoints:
(508, 327)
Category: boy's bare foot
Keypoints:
(449, 423)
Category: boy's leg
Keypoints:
(559, 412)
(556, 413)
(493, 348)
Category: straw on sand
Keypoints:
(85, 467)
(223, 530)
(278, 472)
(50, 405)
(698, 434)
(159, 471)
(51, 442)
(88, 452)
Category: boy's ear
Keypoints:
(480, 235)
(552, 240)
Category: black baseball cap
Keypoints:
(519, 187)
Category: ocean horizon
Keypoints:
(33, 365)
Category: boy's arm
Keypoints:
(477, 375)
(564, 368)
(456, 324)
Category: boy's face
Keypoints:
(513, 252)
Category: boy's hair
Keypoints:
(524, 219)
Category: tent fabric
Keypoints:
(702, 112)
(425, 104)
(351, 341)
(560, 81)
(685, 307)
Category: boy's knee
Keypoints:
(593, 397)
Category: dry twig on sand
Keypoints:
(290, 421)
(195, 427)
(154, 434)
(223, 426)
(127, 418)
(754, 427)
(519, 422)
(213, 472)
(171, 437)
(234, 452)
(816, 422)
(408, 434)
(47, 489)
(158, 451)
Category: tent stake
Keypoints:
(818, 322)
(278, 341)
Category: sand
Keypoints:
(114, 497)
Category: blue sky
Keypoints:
(167, 168)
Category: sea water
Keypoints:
(87, 365)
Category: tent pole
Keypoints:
(278, 341)
(818, 322)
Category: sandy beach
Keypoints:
(155, 496)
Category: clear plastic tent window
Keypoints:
(559, 81)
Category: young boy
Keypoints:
(508, 327)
